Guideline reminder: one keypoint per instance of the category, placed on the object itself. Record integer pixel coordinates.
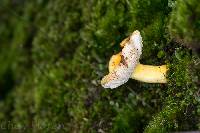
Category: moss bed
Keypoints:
(53, 55)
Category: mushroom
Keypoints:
(125, 65)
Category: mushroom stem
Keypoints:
(150, 74)
(144, 73)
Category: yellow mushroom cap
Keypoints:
(125, 65)
(129, 59)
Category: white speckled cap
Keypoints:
(130, 58)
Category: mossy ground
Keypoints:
(54, 53)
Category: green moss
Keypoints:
(165, 120)
(54, 54)
(180, 95)
(184, 23)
